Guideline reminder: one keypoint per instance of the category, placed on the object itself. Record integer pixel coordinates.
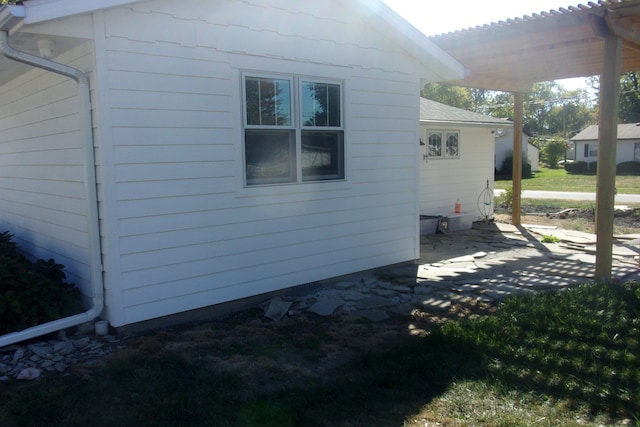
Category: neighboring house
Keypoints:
(237, 147)
(628, 149)
(504, 149)
(456, 159)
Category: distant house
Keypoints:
(227, 148)
(628, 149)
(457, 159)
(504, 149)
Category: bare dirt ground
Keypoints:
(624, 222)
(274, 355)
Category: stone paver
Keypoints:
(486, 263)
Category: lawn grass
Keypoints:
(561, 359)
(559, 180)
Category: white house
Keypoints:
(181, 154)
(504, 149)
(628, 148)
(456, 160)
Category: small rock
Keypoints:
(42, 350)
(277, 309)
(19, 354)
(28, 374)
(82, 343)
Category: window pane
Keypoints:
(268, 101)
(435, 145)
(320, 104)
(452, 145)
(270, 156)
(636, 151)
(322, 155)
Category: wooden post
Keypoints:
(607, 141)
(518, 112)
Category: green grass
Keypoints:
(560, 359)
(559, 180)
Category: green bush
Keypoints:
(628, 168)
(579, 167)
(593, 167)
(32, 293)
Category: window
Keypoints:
(451, 147)
(282, 148)
(636, 151)
(590, 150)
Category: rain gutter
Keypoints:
(9, 18)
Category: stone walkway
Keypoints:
(483, 264)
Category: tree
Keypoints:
(454, 96)
(629, 104)
(550, 110)
(552, 150)
(629, 98)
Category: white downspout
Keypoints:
(86, 135)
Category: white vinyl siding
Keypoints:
(42, 192)
(189, 233)
(441, 184)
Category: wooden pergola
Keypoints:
(600, 38)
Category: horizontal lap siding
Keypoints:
(189, 234)
(443, 181)
(42, 193)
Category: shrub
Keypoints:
(507, 168)
(32, 293)
(593, 167)
(506, 199)
(579, 167)
(628, 168)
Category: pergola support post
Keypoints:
(518, 112)
(607, 141)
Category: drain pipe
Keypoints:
(86, 135)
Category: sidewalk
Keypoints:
(566, 195)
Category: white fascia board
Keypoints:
(46, 10)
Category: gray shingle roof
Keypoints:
(590, 133)
(432, 111)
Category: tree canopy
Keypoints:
(550, 110)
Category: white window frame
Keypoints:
(444, 151)
(297, 129)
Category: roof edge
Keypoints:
(11, 17)
(468, 123)
(46, 10)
